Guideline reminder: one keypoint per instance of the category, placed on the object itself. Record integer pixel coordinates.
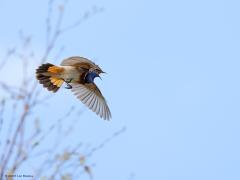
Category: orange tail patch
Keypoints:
(55, 69)
(57, 82)
(46, 74)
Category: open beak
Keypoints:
(99, 77)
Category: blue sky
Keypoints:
(173, 81)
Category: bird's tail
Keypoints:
(47, 74)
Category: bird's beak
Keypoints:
(104, 72)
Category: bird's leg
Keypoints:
(68, 85)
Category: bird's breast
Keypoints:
(72, 73)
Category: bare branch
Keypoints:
(22, 146)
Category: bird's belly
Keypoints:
(70, 73)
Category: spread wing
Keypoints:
(91, 96)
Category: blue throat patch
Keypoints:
(89, 78)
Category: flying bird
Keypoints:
(78, 73)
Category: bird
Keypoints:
(78, 74)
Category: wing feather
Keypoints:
(105, 112)
(95, 105)
(92, 100)
(98, 107)
(92, 97)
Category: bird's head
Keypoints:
(97, 69)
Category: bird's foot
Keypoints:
(68, 85)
